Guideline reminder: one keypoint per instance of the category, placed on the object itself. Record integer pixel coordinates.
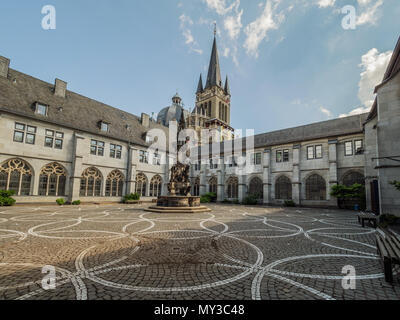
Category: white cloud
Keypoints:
(370, 14)
(186, 22)
(326, 112)
(233, 24)
(374, 65)
(326, 3)
(220, 6)
(258, 30)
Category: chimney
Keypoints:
(60, 88)
(145, 120)
(4, 65)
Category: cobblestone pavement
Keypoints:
(234, 252)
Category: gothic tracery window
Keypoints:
(256, 188)
(141, 184)
(283, 188)
(353, 177)
(52, 180)
(155, 186)
(91, 183)
(233, 187)
(16, 175)
(315, 188)
(114, 184)
(213, 185)
(196, 187)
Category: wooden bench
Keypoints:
(388, 247)
(370, 217)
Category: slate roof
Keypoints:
(392, 70)
(214, 70)
(19, 92)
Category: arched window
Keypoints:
(114, 184)
(283, 188)
(16, 175)
(91, 183)
(233, 187)
(353, 177)
(213, 185)
(256, 188)
(156, 186)
(52, 180)
(141, 184)
(315, 188)
(196, 187)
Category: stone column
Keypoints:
(242, 187)
(296, 182)
(132, 164)
(203, 179)
(77, 160)
(333, 175)
(267, 176)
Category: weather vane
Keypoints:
(215, 28)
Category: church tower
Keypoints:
(213, 101)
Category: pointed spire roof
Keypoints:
(200, 88)
(214, 71)
(227, 89)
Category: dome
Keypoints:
(171, 113)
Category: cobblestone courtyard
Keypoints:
(234, 252)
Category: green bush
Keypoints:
(236, 201)
(5, 198)
(212, 196)
(76, 203)
(227, 201)
(396, 184)
(343, 192)
(132, 197)
(6, 201)
(387, 220)
(60, 201)
(289, 203)
(251, 200)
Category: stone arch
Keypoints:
(16, 175)
(115, 184)
(352, 177)
(91, 183)
(315, 187)
(256, 188)
(213, 185)
(141, 184)
(232, 189)
(283, 188)
(52, 180)
(156, 186)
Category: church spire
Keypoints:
(214, 72)
(227, 89)
(200, 88)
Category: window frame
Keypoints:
(345, 149)
(356, 152)
(287, 153)
(308, 152)
(322, 151)
(46, 108)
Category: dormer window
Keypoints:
(41, 109)
(104, 126)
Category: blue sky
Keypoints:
(289, 62)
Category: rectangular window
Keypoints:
(318, 152)
(143, 157)
(20, 126)
(348, 148)
(49, 133)
(358, 146)
(97, 148)
(30, 138)
(310, 153)
(48, 142)
(285, 155)
(156, 159)
(115, 151)
(59, 135)
(58, 144)
(213, 164)
(41, 109)
(18, 136)
(279, 156)
(256, 158)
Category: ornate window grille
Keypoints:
(91, 181)
(155, 186)
(52, 180)
(114, 184)
(315, 188)
(283, 188)
(16, 175)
